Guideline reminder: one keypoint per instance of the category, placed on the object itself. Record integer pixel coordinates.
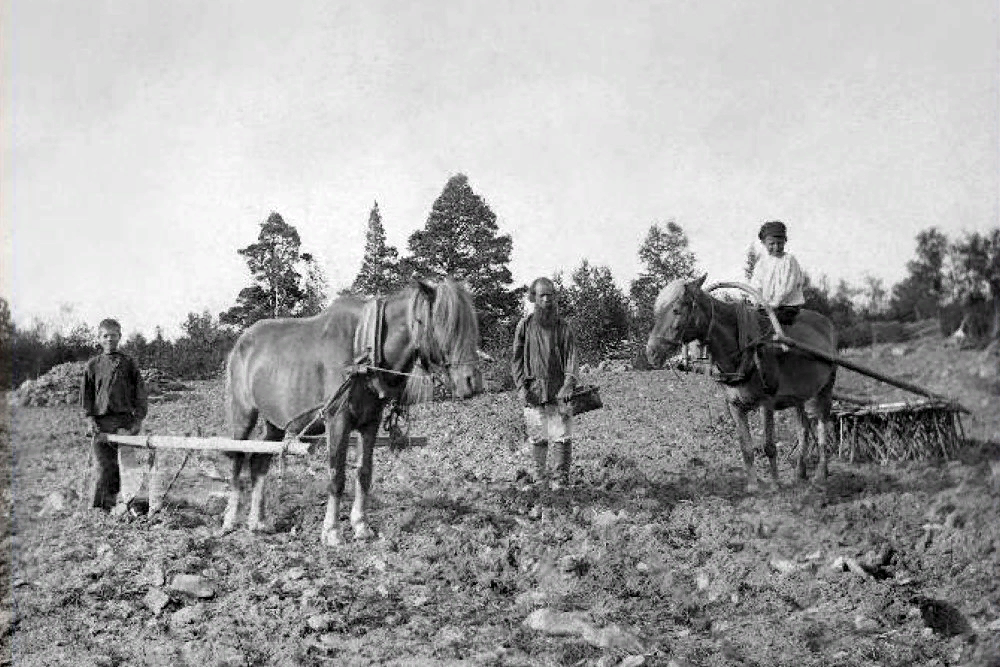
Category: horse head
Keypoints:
(676, 319)
(445, 330)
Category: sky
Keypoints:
(144, 142)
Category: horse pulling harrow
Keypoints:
(881, 432)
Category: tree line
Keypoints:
(956, 281)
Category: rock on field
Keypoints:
(61, 386)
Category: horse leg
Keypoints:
(236, 460)
(337, 439)
(259, 466)
(363, 483)
(822, 435)
(746, 444)
(243, 421)
(767, 418)
(802, 433)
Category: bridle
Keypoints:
(690, 327)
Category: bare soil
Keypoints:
(657, 543)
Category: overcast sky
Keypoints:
(144, 142)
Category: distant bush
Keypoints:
(977, 314)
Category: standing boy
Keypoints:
(544, 367)
(114, 397)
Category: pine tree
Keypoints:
(380, 271)
(278, 288)
(461, 239)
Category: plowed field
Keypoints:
(655, 556)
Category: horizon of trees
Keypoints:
(956, 281)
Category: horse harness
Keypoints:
(369, 358)
(749, 341)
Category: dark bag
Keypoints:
(585, 398)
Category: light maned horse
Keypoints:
(286, 370)
(685, 312)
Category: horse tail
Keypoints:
(240, 411)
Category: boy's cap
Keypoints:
(773, 228)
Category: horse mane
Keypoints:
(446, 330)
(673, 290)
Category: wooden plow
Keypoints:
(930, 427)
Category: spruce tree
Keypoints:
(380, 272)
(461, 239)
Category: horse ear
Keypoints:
(701, 281)
(426, 287)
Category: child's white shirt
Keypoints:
(779, 280)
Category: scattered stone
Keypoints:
(563, 623)
(847, 564)
(554, 622)
(153, 574)
(320, 622)
(702, 581)
(187, 616)
(784, 566)
(611, 637)
(864, 624)
(58, 501)
(633, 661)
(994, 626)
(193, 585)
(156, 600)
(605, 519)
(295, 573)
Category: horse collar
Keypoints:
(368, 347)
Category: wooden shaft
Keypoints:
(217, 444)
(250, 446)
(864, 370)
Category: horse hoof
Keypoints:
(363, 532)
(332, 539)
(224, 530)
(261, 528)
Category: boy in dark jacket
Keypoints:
(113, 396)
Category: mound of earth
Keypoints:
(61, 386)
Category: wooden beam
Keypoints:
(298, 447)
(864, 370)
